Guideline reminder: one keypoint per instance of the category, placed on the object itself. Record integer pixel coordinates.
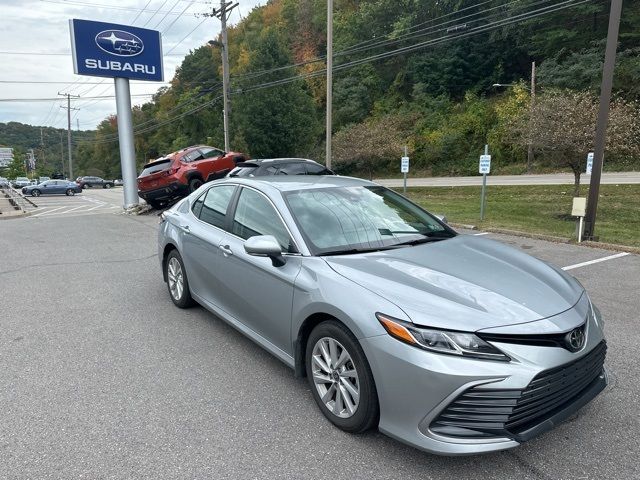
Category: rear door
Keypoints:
(214, 163)
(254, 291)
(201, 235)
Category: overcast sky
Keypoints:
(36, 27)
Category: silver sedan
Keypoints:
(451, 343)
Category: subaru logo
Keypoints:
(120, 43)
(575, 339)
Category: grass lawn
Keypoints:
(544, 209)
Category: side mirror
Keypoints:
(443, 219)
(265, 246)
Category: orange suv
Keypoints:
(180, 173)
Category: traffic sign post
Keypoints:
(484, 167)
(404, 169)
(120, 52)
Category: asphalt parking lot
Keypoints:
(102, 377)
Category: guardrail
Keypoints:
(17, 200)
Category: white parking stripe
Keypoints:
(598, 260)
(62, 213)
(481, 233)
(49, 211)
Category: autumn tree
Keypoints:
(561, 126)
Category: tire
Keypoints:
(174, 269)
(35, 193)
(194, 184)
(107, 185)
(70, 192)
(366, 410)
(84, 186)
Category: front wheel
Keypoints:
(84, 186)
(107, 185)
(340, 378)
(70, 192)
(35, 193)
(177, 281)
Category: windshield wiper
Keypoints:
(351, 251)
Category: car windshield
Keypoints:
(342, 220)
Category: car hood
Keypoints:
(463, 283)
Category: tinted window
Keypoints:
(292, 169)
(192, 156)
(214, 207)
(211, 152)
(256, 216)
(246, 171)
(197, 205)
(313, 169)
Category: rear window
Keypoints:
(243, 170)
(157, 166)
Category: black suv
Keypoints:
(279, 166)
(85, 182)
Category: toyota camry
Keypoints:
(452, 343)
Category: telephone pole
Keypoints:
(44, 162)
(69, 108)
(603, 118)
(329, 81)
(61, 154)
(223, 14)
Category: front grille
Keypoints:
(480, 412)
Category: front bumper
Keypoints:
(415, 387)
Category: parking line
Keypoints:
(481, 233)
(39, 214)
(66, 211)
(597, 260)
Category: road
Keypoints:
(101, 377)
(549, 179)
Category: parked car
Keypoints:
(43, 179)
(89, 182)
(455, 344)
(52, 187)
(4, 182)
(118, 182)
(180, 173)
(279, 166)
(20, 182)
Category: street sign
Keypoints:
(110, 50)
(404, 165)
(485, 164)
(589, 163)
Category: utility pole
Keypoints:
(533, 102)
(223, 14)
(329, 81)
(78, 124)
(603, 117)
(61, 154)
(69, 108)
(44, 162)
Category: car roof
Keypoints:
(299, 182)
(264, 161)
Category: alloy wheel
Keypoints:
(175, 278)
(335, 377)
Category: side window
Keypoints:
(313, 169)
(256, 216)
(197, 205)
(214, 207)
(192, 156)
(292, 169)
(211, 153)
(272, 170)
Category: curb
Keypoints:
(550, 238)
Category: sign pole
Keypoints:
(484, 186)
(404, 188)
(125, 136)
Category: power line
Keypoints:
(52, 99)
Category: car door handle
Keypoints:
(185, 228)
(226, 250)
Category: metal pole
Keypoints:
(484, 186)
(225, 75)
(329, 80)
(533, 102)
(69, 136)
(404, 188)
(603, 117)
(125, 137)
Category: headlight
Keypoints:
(441, 341)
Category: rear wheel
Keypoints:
(35, 193)
(84, 186)
(107, 185)
(70, 192)
(340, 378)
(194, 184)
(177, 281)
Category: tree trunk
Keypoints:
(576, 182)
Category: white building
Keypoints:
(6, 156)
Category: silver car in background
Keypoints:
(451, 343)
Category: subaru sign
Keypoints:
(110, 50)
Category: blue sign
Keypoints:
(109, 50)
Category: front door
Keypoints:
(254, 291)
